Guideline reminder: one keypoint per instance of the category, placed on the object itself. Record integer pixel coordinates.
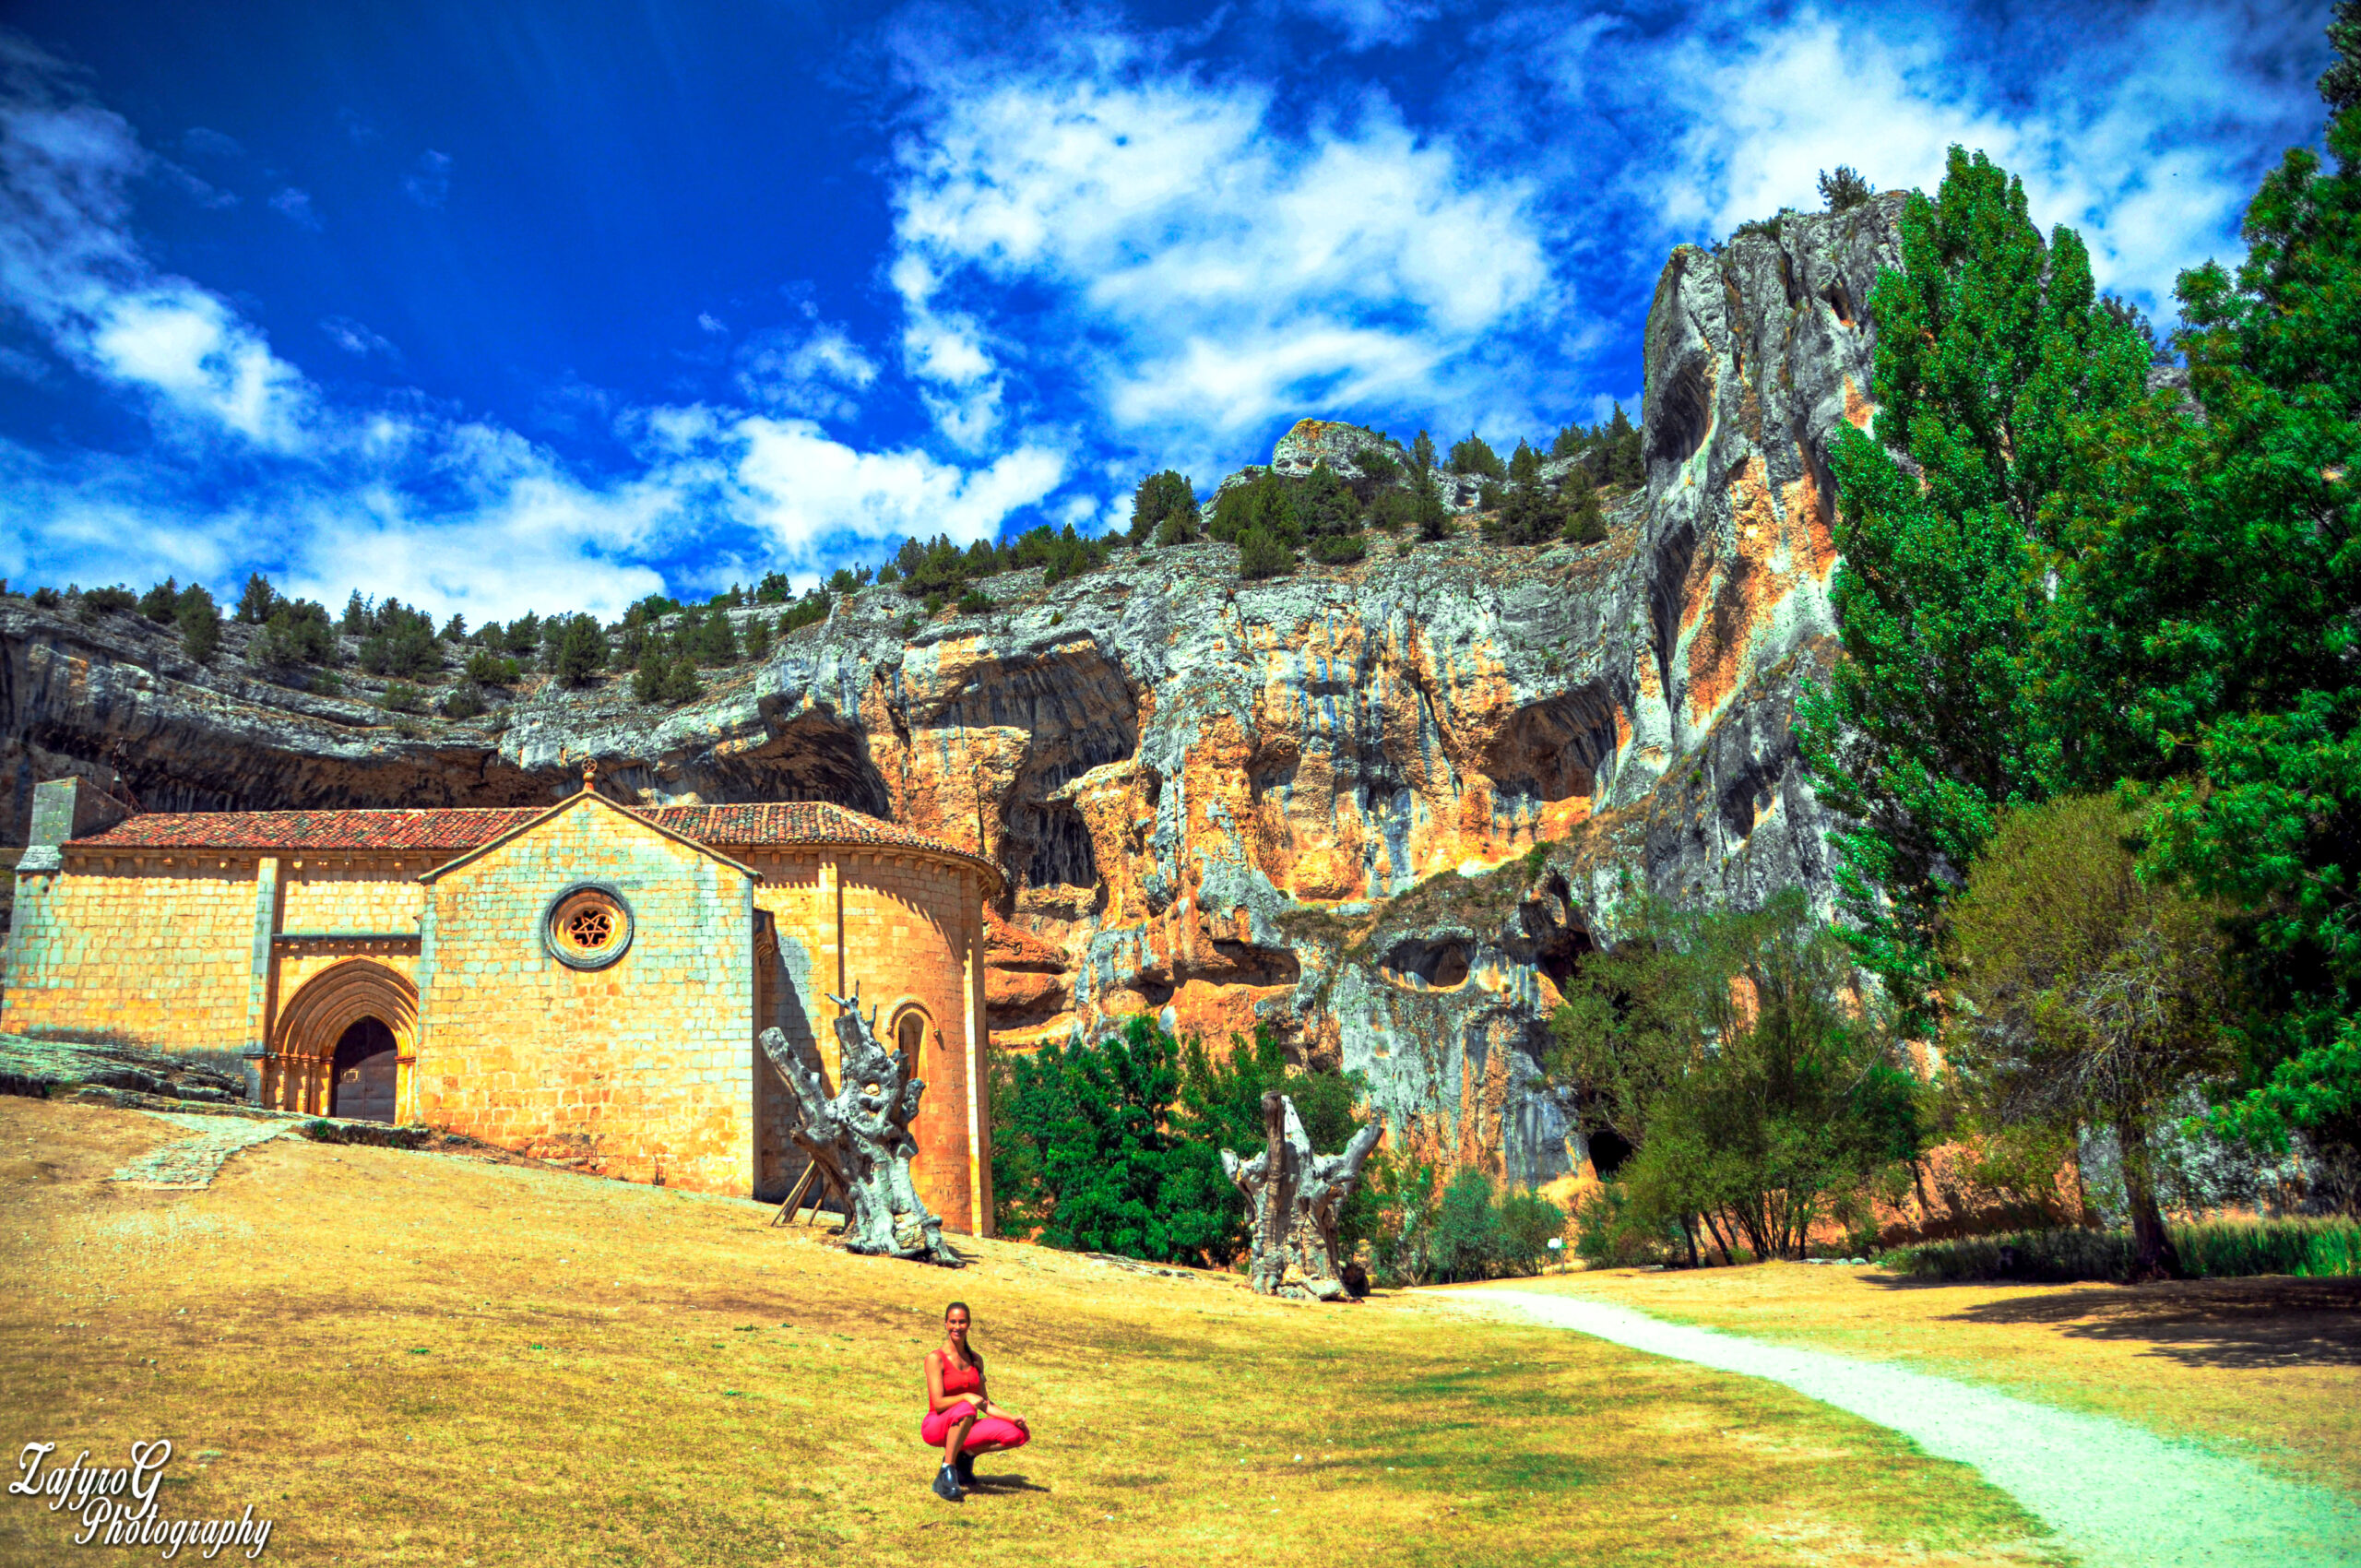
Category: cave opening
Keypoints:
(1608, 1152)
(1440, 965)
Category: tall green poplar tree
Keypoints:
(2214, 613)
(1992, 352)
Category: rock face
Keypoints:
(1381, 809)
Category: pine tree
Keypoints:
(200, 622)
(717, 641)
(162, 602)
(681, 683)
(578, 650)
(259, 600)
(647, 681)
(1626, 464)
(1585, 519)
(356, 616)
(1164, 508)
(758, 637)
(1991, 345)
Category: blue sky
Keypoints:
(507, 306)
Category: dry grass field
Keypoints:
(414, 1358)
(2269, 1368)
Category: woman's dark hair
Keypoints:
(974, 1359)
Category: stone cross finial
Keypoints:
(589, 773)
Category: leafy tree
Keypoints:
(1730, 1051)
(255, 604)
(1261, 554)
(1164, 508)
(1991, 348)
(161, 604)
(200, 622)
(773, 589)
(2091, 997)
(578, 649)
(1844, 189)
(2207, 620)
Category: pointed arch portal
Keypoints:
(356, 1021)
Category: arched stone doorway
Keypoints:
(322, 1033)
(362, 1072)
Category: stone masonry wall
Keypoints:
(341, 892)
(161, 951)
(909, 927)
(643, 1069)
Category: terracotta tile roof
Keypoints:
(453, 829)
(458, 830)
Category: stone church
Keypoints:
(583, 982)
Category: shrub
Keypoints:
(976, 601)
(486, 667)
(101, 602)
(297, 631)
(758, 637)
(680, 684)
(2318, 1249)
(771, 589)
(162, 602)
(466, 701)
(1337, 550)
(1164, 506)
(1260, 555)
(809, 610)
(403, 697)
(45, 598)
(327, 684)
(1611, 1232)
(1844, 189)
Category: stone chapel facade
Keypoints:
(582, 983)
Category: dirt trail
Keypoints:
(2118, 1497)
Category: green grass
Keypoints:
(2219, 1249)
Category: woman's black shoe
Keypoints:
(946, 1484)
(966, 1469)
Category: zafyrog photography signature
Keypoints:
(117, 1503)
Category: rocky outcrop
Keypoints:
(1383, 809)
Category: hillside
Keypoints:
(1229, 802)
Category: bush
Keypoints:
(466, 701)
(101, 602)
(1611, 1232)
(1164, 506)
(327, 684)
(403, 697)
(976, 601)
(1338, 549)
(488, 669)
(1473, 457)
(45, 599)
(162, 602)
(809, 610)
(1260, 555)
(1481, 1232)
(1844, 189)
(2222, 1249)
(771, 589)
(296, 632)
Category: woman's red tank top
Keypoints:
(960, 1379)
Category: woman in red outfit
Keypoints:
(960, 1416)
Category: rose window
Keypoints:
(589, 928)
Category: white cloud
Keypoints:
(819, 371)
(1366, 24)
(1209, 268)
(2145, 139)
(708, 322)
(355, 338)
(806, 490)
(184, 344)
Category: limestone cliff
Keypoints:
(1313, 801)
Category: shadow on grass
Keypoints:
(1007, 1480)
(2271, 1322)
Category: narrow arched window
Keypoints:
(909, 1034)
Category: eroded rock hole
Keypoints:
(1057, 845)
(1683, 415)
(1607, 1153)
(1436, 966)
(1839, 301)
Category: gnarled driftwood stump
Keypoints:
(858, 1135)
(1293, 1195)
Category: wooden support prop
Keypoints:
(787, 1210)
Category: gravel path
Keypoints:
(192, 1162)
(2118, 1496)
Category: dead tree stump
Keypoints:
(1292, 1195)
(859, 1136)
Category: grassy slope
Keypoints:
(418, 1358)
(2270, 1366)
